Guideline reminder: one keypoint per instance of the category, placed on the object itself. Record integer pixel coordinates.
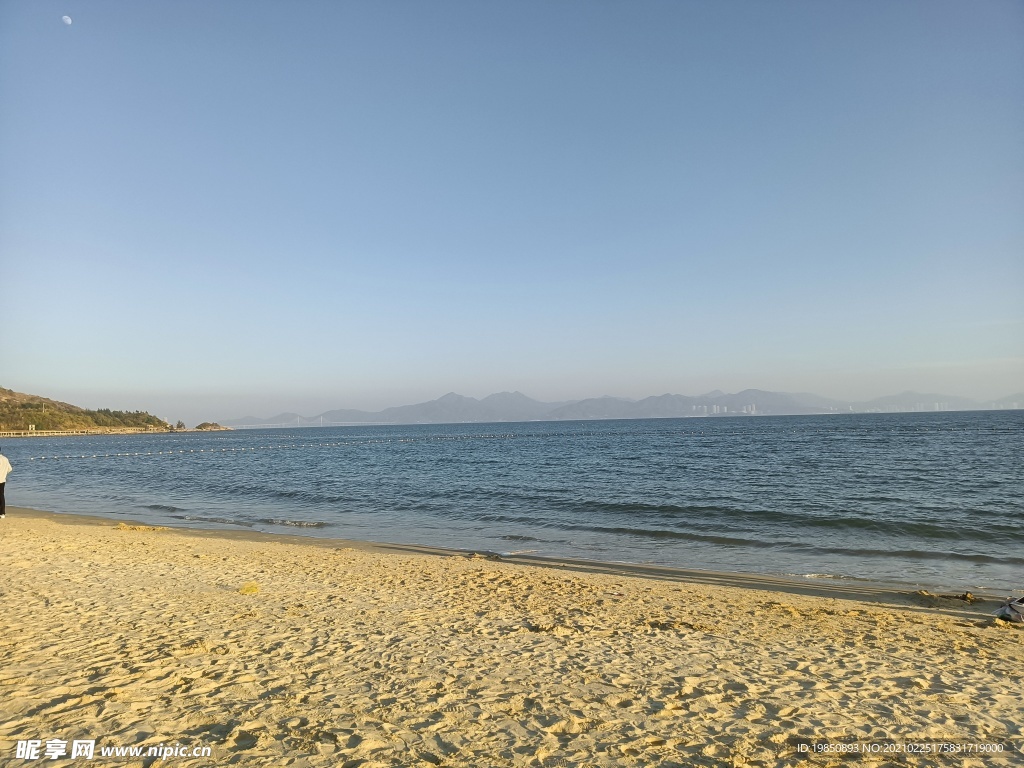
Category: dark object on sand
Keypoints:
(1012, 610)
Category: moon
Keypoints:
(66, 20)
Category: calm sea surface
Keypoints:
(931, 500)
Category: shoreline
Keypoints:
(102, 432)
(858, 590)
(882, 531)
(275, 649)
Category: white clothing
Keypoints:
(5, 468)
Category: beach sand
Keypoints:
(281, 651)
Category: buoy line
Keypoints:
(288, 446)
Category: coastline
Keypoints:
(276, 649)
(857, 590)
(684, 510)
(103, 432)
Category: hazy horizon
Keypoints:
(172, 408)
(218, 210)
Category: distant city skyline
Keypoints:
(214, 210)
(518, 407)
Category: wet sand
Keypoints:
(277, 650)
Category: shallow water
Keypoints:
(930, 500)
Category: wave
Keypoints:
(715, 517)
(655, 533)
(724, 525)
(836, 576)
(296, 523)
(218, 520)
(970, 557)
(791, 545)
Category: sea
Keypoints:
(917, 500)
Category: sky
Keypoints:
(213, 210)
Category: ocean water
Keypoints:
(924, 500)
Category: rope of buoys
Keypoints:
(287, 446)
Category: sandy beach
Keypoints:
(283, 651)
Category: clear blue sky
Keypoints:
(214, 209)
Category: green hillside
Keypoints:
(18, 411)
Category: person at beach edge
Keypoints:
(5, 469)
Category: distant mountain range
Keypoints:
(515, 406)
